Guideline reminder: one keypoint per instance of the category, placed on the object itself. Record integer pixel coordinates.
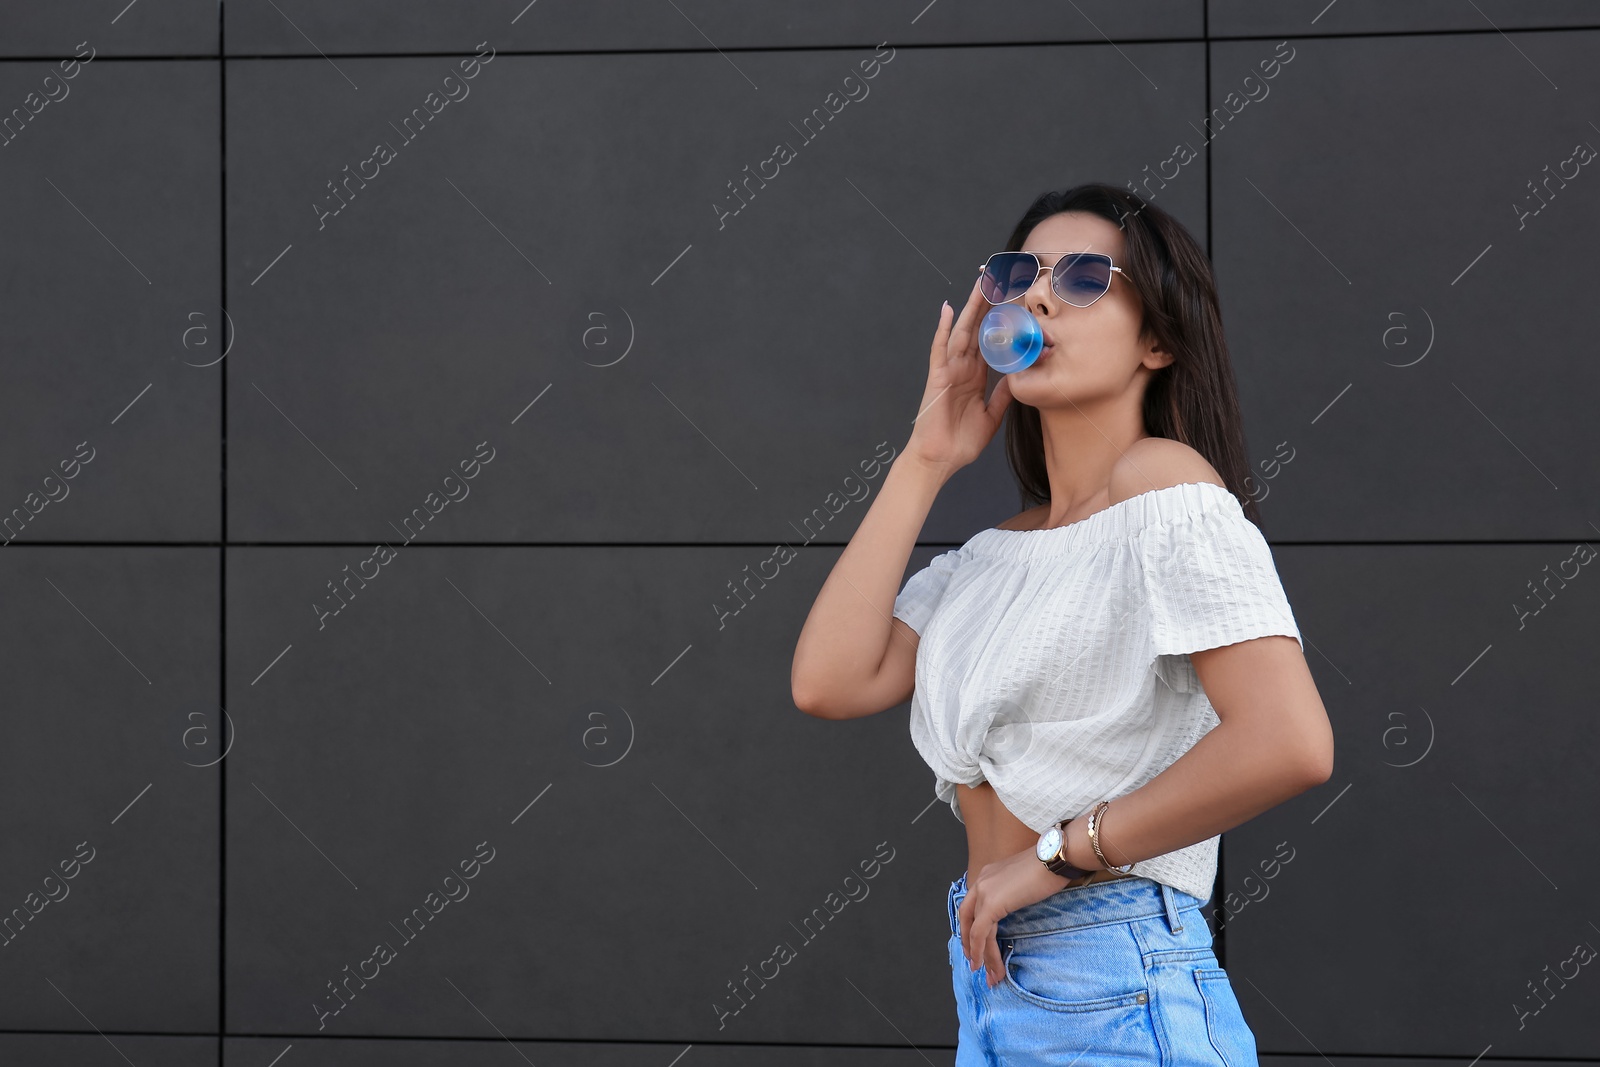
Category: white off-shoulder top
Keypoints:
(1054, 663)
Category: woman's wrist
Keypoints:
(1076, 847)
(932, 475)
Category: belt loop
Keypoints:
(958, 887)
(1174, 920)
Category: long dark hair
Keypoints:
(1194, 399)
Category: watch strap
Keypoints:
(1059, 864)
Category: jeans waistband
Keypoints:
(1120, 900)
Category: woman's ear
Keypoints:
(1157, 357)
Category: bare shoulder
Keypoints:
(1156, 463)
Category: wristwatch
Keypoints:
(1052, 852)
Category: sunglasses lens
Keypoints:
(1081, 279)
(1007, 276)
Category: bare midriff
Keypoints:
(993, 833)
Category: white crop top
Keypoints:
(1054, 663)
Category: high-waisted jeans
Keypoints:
(1112, 972)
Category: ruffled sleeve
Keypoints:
(917, 600)
(1210, 580)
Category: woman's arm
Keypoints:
(1273, 742)
(853, 658)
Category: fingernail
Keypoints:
(943, 306)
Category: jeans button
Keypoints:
(1141, 998)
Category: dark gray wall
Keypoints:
(544, 288)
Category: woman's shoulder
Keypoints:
(1152, 463)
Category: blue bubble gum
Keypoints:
(1010, 338)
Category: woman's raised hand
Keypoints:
(955, 423)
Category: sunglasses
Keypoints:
(1079, 278)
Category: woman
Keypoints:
(1105, 682)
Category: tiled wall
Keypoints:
(398, 402)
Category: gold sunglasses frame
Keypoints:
(1038, 267)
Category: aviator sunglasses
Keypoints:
(1079, 278)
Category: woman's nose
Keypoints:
(1040, 298)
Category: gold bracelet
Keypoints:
(1094, 838)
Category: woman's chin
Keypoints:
(1031, 378)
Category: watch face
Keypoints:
(1049, 843)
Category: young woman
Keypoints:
(1102, 684)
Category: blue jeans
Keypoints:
(1113, 972)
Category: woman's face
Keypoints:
(1091, 354)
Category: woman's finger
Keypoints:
(968, 933)
(977, 307)
(939, 353)
(991, 957)
(999, 400)
(981, 932)
(964, 335)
